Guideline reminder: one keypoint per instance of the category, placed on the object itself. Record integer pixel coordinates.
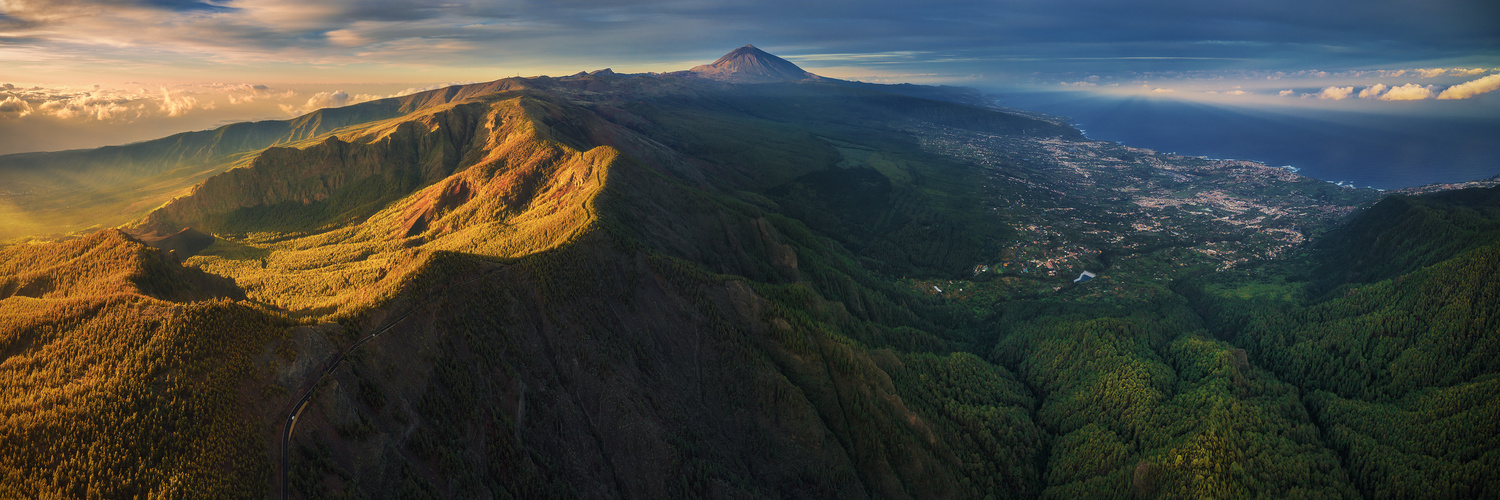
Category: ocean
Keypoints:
(1383, 151)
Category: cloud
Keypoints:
(176, 106)
(1408, 92)
(1372, 91)
(95, 103)
(1236, 92)
(1436, 72)
(320, 100)
(245, 93)
(413, 90)
(1472, 88)
(101, 107)
(1335, 93)
(1286, 92)
(1079, 84)
(333, 99)
(1162, 90)
(12, 105)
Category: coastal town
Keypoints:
(1129, 214)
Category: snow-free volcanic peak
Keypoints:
(751, 65)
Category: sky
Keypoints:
(90, 73)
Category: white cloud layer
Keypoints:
(1408, 92)
(1472, 88)
(320, 100)
(1372, 91)
(176, 106)
(116, 105)
(1335, 93)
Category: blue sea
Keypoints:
(1368, 150)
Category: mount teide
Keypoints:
(751, 65)
(741, 280)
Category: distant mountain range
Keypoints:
(739, 280)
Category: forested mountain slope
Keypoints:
(627, 286)
(1400, 368)
(125, 374)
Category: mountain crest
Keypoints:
(749, 64)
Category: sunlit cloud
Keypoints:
(1161, 90)
(1286, 92)
(1334, 93)
(131, 105)
(1438, 72)
(322, 100)
(1373, 91)
(92, 106)
(176, 106)
(100, 104)
(1472, 88)
(413, 90)
(1408, 92)
(14, 107)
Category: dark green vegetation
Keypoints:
(658, 286)
(1402, 368)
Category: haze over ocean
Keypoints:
(1385, 151)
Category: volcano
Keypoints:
(749, 64)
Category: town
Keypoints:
(1128, 214)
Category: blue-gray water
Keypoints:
(1382, 151)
